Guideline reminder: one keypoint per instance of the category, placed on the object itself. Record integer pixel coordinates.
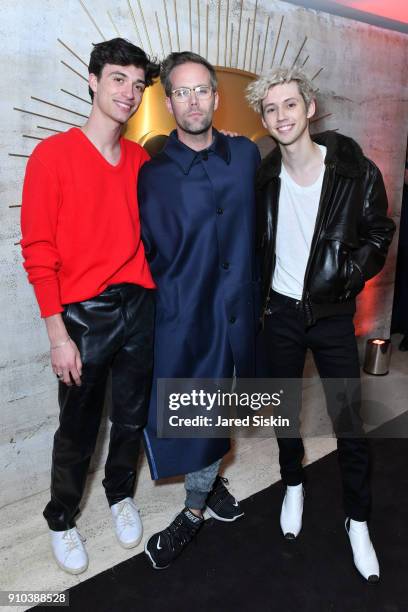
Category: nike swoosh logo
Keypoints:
(158, 544)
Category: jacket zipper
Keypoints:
(306, 301)
(274, 250)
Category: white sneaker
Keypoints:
(292, 510)
(128, 526)
(364, 556)
(69, 551)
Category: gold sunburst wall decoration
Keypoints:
(241, 41)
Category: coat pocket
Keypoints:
(335, 277)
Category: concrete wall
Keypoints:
(361, 85)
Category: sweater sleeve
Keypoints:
(39, 218)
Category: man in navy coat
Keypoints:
(198, 224)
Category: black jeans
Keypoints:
(113, 332)
(282, 350)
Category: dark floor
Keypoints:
(248, 566)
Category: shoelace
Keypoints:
(73, 539)
(178, 533)
(222, 491)
(125, 516)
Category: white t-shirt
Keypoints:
(296, 223)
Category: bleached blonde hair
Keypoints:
(258, 89)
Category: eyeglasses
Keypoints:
(182, 94)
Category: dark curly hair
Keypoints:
(122, 53)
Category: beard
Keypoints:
(196, 126)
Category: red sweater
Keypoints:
(80, 220)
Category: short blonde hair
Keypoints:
(258, 90)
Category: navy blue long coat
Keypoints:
(198, 226)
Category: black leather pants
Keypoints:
(113, 332)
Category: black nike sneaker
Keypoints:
(164, 546)
(221, 505)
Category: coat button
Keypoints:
(225, 265)
(232, 319)
(220, 211)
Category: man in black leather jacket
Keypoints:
(322, 232)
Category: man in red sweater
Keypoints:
(83, 254)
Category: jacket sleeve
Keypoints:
(376, 229)
(39, 219)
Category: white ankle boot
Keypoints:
(291, 513)
(69, 551)
(128, 526)
(364, 555)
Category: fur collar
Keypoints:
(342, 152)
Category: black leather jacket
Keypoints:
(352, 232)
